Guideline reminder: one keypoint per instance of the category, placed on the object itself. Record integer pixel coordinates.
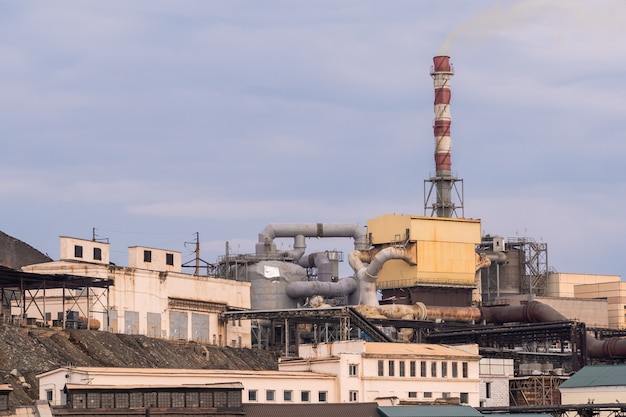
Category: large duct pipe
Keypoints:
(320, 261)
(299, 289)
(266, 246)
(366, 276)
(442, 73)
(536, 312)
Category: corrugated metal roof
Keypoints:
(597, 376)
(312, 410)
(429, 411)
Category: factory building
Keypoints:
(151, 296)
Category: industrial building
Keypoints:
(426, 282)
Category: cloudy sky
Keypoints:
(147, 122)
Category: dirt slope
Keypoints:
(26, 352)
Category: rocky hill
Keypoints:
(28, 351)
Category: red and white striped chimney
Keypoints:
(441, 73)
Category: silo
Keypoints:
(269, 281)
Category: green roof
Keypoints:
(429, 411)
(597, 376)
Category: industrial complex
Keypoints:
(434, 313)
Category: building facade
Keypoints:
(151, 296)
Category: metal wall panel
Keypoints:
(200, 327)
(154, 325)
(179, 325)
(131, 322)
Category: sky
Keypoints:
(155, 122)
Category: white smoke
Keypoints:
(550, 20)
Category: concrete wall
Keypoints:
(562, 284)
(615, 295)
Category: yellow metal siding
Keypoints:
(445, 250)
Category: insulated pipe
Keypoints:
(266, 246)
(321, 262)
(366, 276)
(299, 289)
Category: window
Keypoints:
(412, 368)
(169, 259)
(192, 400)
(178, 399)
(353, 369)
(464, 369)
(353, 396)
(97, 254)
(322, 396)
(287, 395)
(305, 396)
(428, 395)
(147, 256)
(455, 370)
(78, 251)
(488, 390)
(49, 395)
(412, 394)
(445, 395)
(381, 370)
(269, 395)
(423, 369)
(433, 369)
(392, 368)
(444, 369)
(252, 395)
(464, 397)
(401, 369)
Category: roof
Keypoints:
(597, 376)
(429, 411)
(5, 387)
(311, 410)
(117, 387)
(421, 349)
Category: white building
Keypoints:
(597, 384)
(151, 296)
(495, 375)
(342, 372)
(394, 373)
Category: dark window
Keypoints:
(192, 400)
(464, 368)
(252, 395)
(488, 390)
(93, 400)
(206, 399)
(423, 369)
(79, 400)
(305, 396)
(49, 395)
(136, 399)
(381, 369)
(354, 396)
(412, 394)
(78, 251)
(444, 369)
(108, 400)
(392, 368)
(445, 395)
(97, 254)
(121, 400)
(401, 370)
(433, 369)
(178, 399)
(412, 368)
(322, 396)
(455, 370)
(164, 399)
(4, 402)
(169, 259)
(269, 395)
(221, 399)
(287, 395)
(428, 395)
(353, 369)
(149, 399)
(234, 399)
(464, 397)
(147, 256)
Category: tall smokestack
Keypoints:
(443, 181)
